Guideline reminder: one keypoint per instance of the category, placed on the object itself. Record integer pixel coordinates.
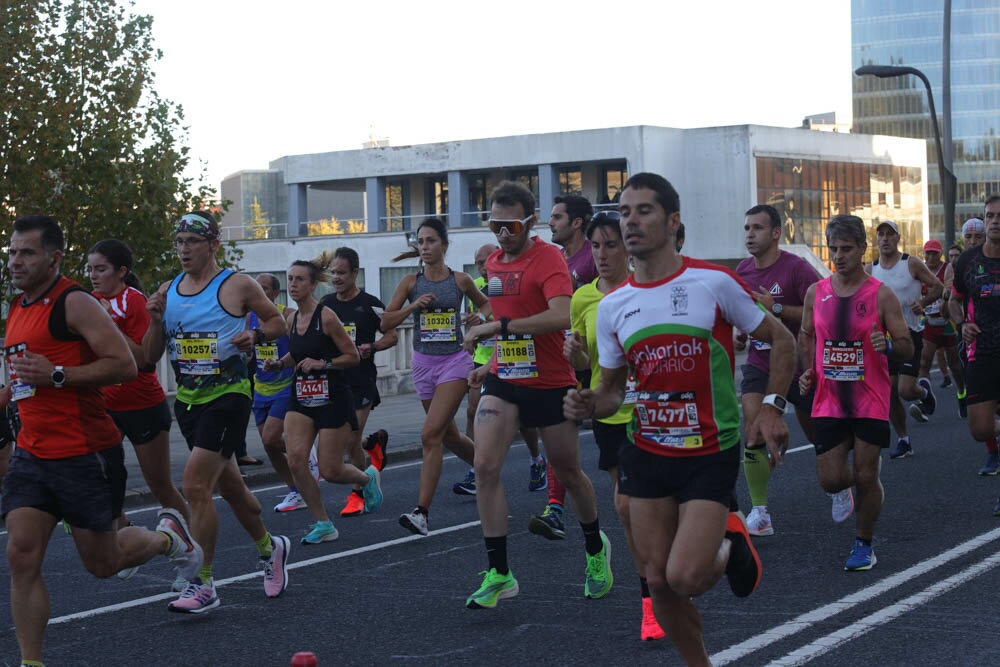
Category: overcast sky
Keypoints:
(259, 79)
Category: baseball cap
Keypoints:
(973, 225)
(933, 246)
(888, 223)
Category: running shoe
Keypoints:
(321, 531)
(180, 583)
(842, 505)
(599, 576)
(372, 491)
(355, 504)
(946, 382)
(901, 450)
(293, 501)
(184, 553)
(538, 480)
(276, 567)
(759, 521)
(467, 487)
(128, 572)
(415, 521)
(548, 524)
(650, 630)
(862, 557)
(314, 464)
(992, 465)
(963, 408)
(917, 412)
(743, 568)
(495, 587)
(928, 404)
(197, 598)
(376, 446)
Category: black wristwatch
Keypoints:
(58, 377)
(258, 337)
(504, 321)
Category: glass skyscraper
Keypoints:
(909, 33)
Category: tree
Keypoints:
(85, 138)
(259, 226)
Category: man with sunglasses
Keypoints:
(529, 288)
(199, 317)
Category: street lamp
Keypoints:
(948, 180)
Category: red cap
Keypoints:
(933, 246)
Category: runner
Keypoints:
(975, 307)
(199, 317)
(906, 276)
(939, 334)
(779, 281)
(849, 322)
(529, 288)
(271, 392)
(671, 325)
(61, 348)
(610, 433)
(440, 366)
(138, 408)
(361, 315)
(537, 477)
(319, 349)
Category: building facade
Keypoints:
(909, 33)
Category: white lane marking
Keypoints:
(881, 617)
(847, 602)
(89, 613)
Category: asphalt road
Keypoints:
(380, 595)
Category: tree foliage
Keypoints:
(333, 227)
(259, 225)
(84, 136)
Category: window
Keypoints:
(479, 201)
(613, 177)
(526, 177)
(436, 197)
(389, 277)
(570, 181)
(397, 206)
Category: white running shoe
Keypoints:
(842, 506)
(759, 522)
(415, 522)
(293, 501)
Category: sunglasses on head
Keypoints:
(513, 227)
(608, 215)
(195, 224)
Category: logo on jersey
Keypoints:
(631, 313)
(679, 300)
(775, 290)
(861, 309)
(667, 357)
(504, 284)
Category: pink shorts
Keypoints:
(430, 370)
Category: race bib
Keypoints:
(352, 331)
(265, 352)
(844, 360)
(438, 326)
(516, 357)
(312, 391)
(197, 353)
(669, 419)
(18, 389)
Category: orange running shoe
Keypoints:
(376, 446)
(651, 630)
(743, 569)
(355, 504)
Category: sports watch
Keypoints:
(776, 308)
(776, 401)
(58, 377)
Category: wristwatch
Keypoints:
(776, 308)
(504, 322)
(776, 401)
(58, 377)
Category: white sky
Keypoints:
(260, 79)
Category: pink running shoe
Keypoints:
(197, 598)
(276, 567)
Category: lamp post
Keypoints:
(948, 180)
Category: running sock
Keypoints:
(32, 663)
(592, 537)
(264, 545)
(757, 469)
(555, 507)
(205, 574)
(992, 446)
(496, 552)
(292, 489)
(423, 510)
(643, 587)
(905, 440)
(960, 394)
(557, 492)
(865, 542)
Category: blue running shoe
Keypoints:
(372, 491)
(539, 479)
(862, 557)
(467, 487)
(319, 532)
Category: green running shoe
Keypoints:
(599, 577)
(495, 588)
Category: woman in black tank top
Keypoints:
(321, 403)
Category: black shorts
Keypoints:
(218, 426)
(982, 380)
(911, 366)
(536, 408)
(366, 395)
(831, 431)
(610, 440)
(642, 474)
(339, 411)
(141, 426)
(755, 382)
(87, 491)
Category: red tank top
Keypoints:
(56, 423)
(852, 379)
(128, 311)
